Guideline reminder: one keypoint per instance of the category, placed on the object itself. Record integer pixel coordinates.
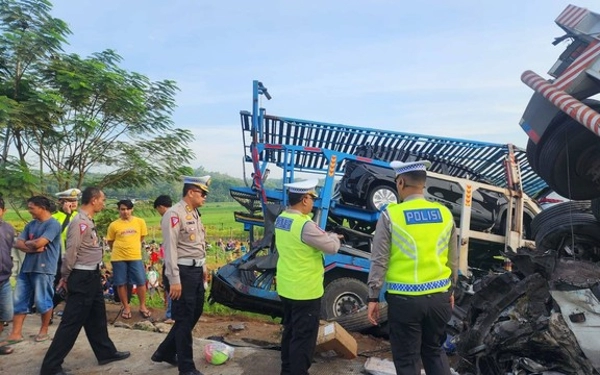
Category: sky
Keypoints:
(445, 68)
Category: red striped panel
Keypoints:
(582, 62)
(571, 16)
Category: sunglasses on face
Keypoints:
(202, 192)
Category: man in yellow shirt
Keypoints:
(125, 236)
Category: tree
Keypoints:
(79, 115)
(29, 36)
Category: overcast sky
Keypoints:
(446, 68)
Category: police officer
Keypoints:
(85, 303)
(300, 244)
(414, 252)
(67, 209)
(185, 271)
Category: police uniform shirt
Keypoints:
(316, 237)
(83, 246)
(183, 238)
(380, 253)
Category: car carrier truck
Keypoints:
(322, 149)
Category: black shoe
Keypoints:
(158, 357)
(115, 357)
(191, 372)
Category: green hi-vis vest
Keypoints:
(420, 233)
(61, 217)
(299, 267)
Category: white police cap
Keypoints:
(202, 182)
(401, 167)
(303, 187)
(70, 194)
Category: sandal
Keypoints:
(10, 342)
(6, 350)
(126, 315)
(41, 338)
(146, 314)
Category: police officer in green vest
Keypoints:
(67, 210)
(301, 245)
(414, 253)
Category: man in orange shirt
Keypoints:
(125, 236)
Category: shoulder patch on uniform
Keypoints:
(283, 223)
(82, 227)
(174, 221)
(423, 216)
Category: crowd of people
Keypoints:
(64, 262)
(414, 257)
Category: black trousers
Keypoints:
(417, 331)
(85, 308)
(185, 311)
(299, 338)
(57, 297)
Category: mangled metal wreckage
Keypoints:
(543, 318)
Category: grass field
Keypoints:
(217, 218)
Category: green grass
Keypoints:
(217, 218)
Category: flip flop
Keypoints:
(42, 338)
(10, 342)
(146, 314)
(126, 315)
(6, 350)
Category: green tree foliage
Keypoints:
(78, 115)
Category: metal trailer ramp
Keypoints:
(481, 158)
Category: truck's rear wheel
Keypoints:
(343, 296)
(567, 158)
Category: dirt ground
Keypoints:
(255, 331)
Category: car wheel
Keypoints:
(343, 296)
(382, 195)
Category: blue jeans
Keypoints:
(128, 272)
(6, 302)
(36, 287)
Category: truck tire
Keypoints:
(561, 209)
(382, 195)
(566, 159)
(582, 229)
(343, 296)
(359, 320)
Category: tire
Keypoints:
(343, 296)
(359, 321)
(578, 228)
(526, 231)
(567, 158)
(562, 210)
(381, 195)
